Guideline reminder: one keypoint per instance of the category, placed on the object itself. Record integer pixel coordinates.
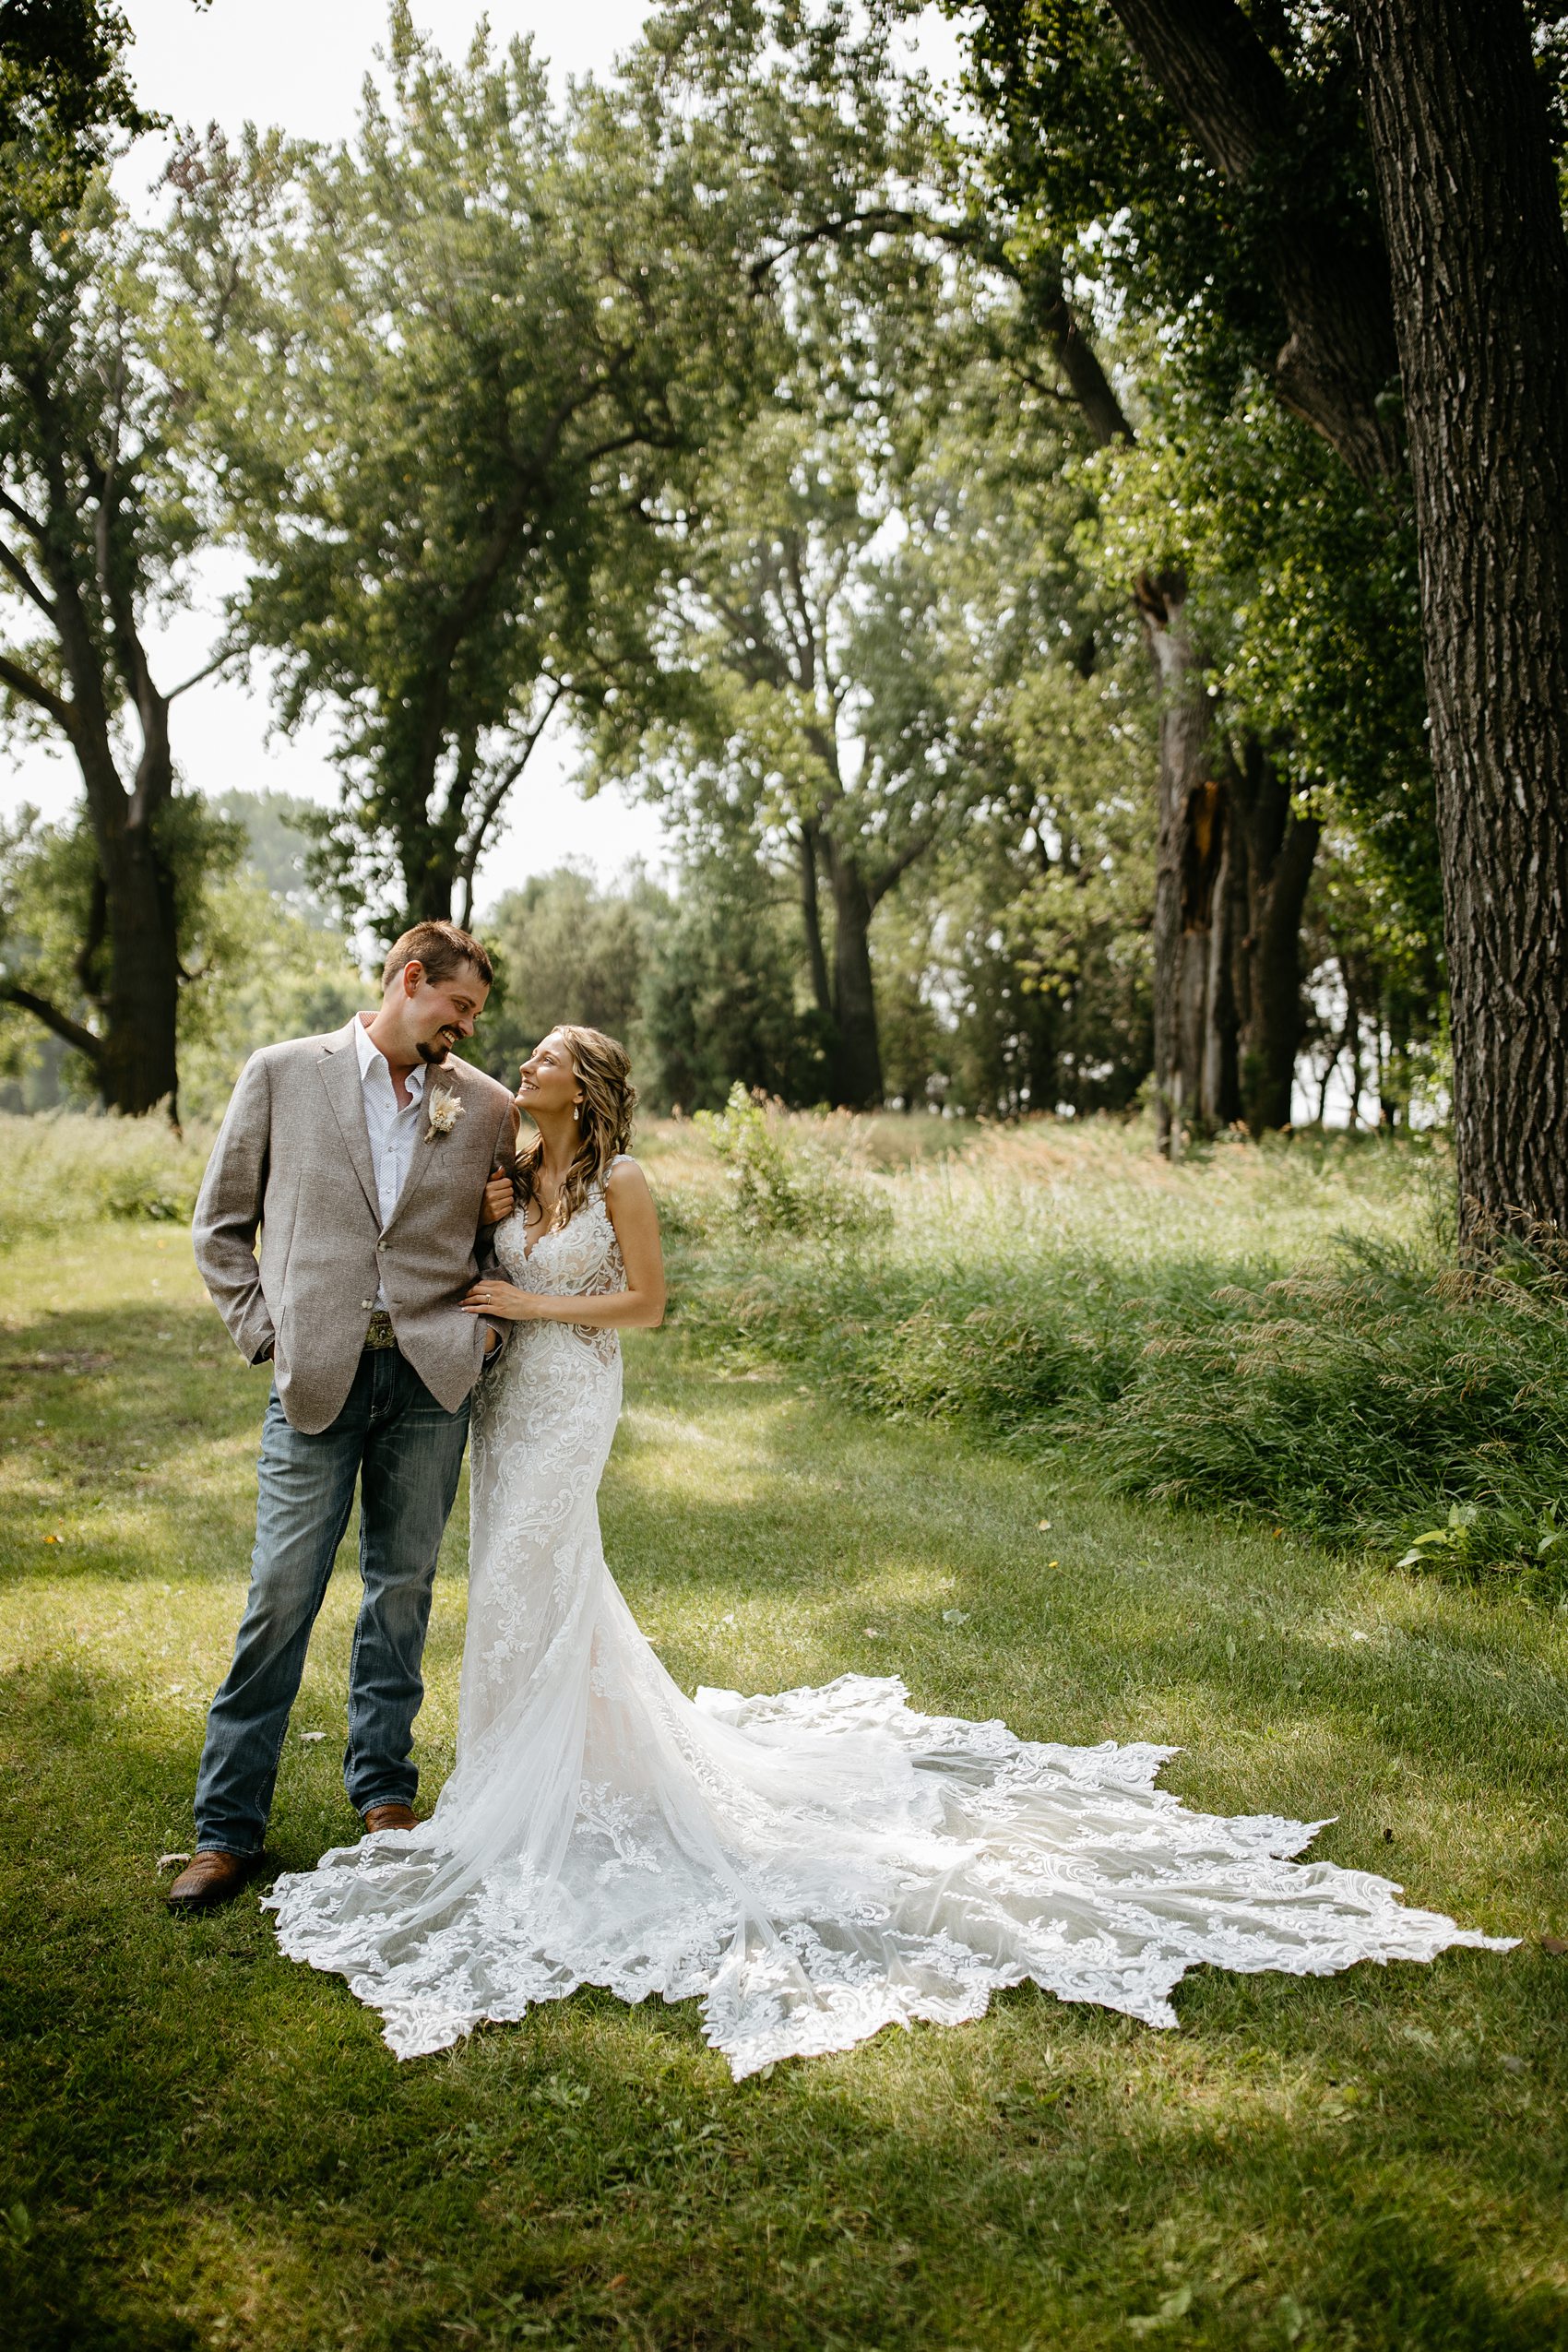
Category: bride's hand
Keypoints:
(499, 1201)
(501, 1301)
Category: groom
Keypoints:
(363, 1159)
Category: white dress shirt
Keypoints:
(393, 1131)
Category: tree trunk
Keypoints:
(857, 1060)
(1041, 1058)
(1194, 1036)
(137, 1066)
(1276, 846)
(810, 916)
(1473, 221)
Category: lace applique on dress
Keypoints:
(811, 1866)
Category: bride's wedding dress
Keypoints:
(810, 1866)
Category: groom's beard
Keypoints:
(434, 1049)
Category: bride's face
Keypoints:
(547, 1081)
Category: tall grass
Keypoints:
(67, 1169)
(1280, 1330)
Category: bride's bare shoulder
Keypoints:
(623, 1178)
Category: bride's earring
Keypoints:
(574, 1114)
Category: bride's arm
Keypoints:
(636, 1307)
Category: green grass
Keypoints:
(208, 2146)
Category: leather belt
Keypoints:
(380, 1332)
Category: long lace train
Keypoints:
(810, 1866)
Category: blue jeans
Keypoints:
(406, 1451)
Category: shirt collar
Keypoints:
(370, 1056)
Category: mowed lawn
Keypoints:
(206, 2145)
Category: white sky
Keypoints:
(301, 62)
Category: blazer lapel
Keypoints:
(427, 1143)
(340, 1068)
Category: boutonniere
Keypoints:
(444, 1112)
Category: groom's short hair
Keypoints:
(442, 949)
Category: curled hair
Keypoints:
(441, 949)
(603, 1070)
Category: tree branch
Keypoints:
(841, 226)
(18, 513)
(12, 562)
(897, 867)
(1238, 107)
(22, 681)
(206, 670)
(74, 1034)
(1079, 362)
(485, 816)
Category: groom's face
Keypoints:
(436, 1014)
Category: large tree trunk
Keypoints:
(1275, 848)
(857, 1060)
(1472, 215)
(136, 1064)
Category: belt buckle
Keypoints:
(379, 1333)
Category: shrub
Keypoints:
(778, 1184)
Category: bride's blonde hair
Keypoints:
(603, 1070)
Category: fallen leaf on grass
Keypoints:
(172, 1861)
(309, 1738)
(1554, 1944)
(955, 1616)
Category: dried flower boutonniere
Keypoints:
(444, 1112)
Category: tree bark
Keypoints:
(137, 1065)
(810, 916)
(1474, 227)
(857, 1060)
(1277, 845)
(1194, 1026)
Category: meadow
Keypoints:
(893, 1426)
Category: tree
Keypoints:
(458, 444)
(65, 95)
(807, 720)
(1377, 180)
(1472, 213)
(723, 1001)
(99, 516)
(567, 951)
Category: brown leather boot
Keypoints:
(211, 1878)
(390, 1817)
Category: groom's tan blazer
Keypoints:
(293, 1159)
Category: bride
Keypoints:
(810, 1866)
